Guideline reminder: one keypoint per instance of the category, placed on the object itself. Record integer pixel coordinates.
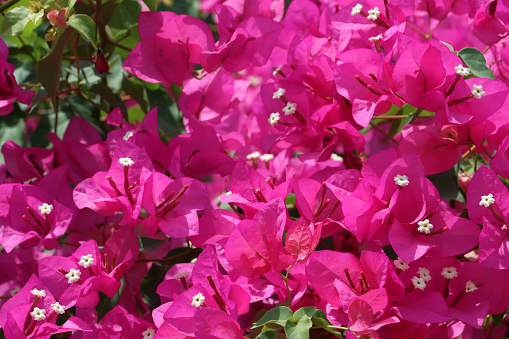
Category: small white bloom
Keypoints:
(425, 226)
(336, 157)
(38, 293)
(253, 155)
(198, 300)
(58, 308)
(149, 333)
(266, 157)
(126, 162)
(357, 9)
(401, 264)
(463, 71)
(470, 287)
(181, 275)
(477, 91)
(424, 274)
(73, 275)
(486, 200)
(274, 118)
(401, 180)
(30, 181)
(290, 108)
(373, 14)
(449, 272)
(279, 93)
(86, 260)
(254, 80)
(46, 208)
(228, 193)
(15, 291)
(376, 38)
(419, 283)
(38, 314)
(128, 135)
(277, 70)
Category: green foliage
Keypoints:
(475, 61)
(106, 304)
(15, 21)
(86, 26)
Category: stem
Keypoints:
(286, 280)
(7, 5)
(417, 30)
(375, 126)
(27, 49)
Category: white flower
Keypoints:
(376, 38)
(290, 108)
(128, 135)
(477, 91)
(401, 180)
(277, 70)
(38, 293)
(357, 9)
(463, 71)
(401, 264)
(73, 275)
(486, 200)
(198, 300)
(46, 208)
(425, 226)
(424, 274)
(86, 260)
(279, 93)
(38, 314)
(274, 118)
(253, 155)
(58, 308)
(30, 181)
(336, 157)
(449, 272)
(373, 14)
(126, 161)
(470, 286)
(418, 283)
(254, 80)
(228, 193)
(266, 157)
(149, 333)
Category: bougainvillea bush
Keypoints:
(254, 169)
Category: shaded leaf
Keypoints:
(85, 26)
(278, 315)
(474, 59)
(15, 20)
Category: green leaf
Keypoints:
(126, 15)
(49, 68)
(106, 304)
(299, 330)
(446, 183)
(67, 3)
(137, 91)
(151, 4)
(475, 61)
(86, 26)
(14, 21)
(277, 315)
(267, 335)
(12, 129)
(47, 124)
(304, 312)
(148, 244)
(34, 17)
(449, 46)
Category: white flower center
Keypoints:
(376, 38)
(419, 283)
(449, 272)
(274, 118)
(58, 308)
(198, 300)
(46, 208)
(424, 274)
(336, 157)
(279, 93)
(38, 314)
(86, 260)
(277, 70)
(477, 91)
(401, 264)
(126, 162)
(38, 293)
(357, 9)
(149, 333)
(73, 275)
(373, 14)
(290, 108)
(425, 226)
(128, 135)
(486, 200)
(253, 155)
(30, 181)
(254, 80)
(463, 71)
(470, 287)
(401, 180)
(266, 157)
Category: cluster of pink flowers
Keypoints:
(283, 153)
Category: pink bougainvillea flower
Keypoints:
(57, 18)
(172, 205)
(9, 88)
(121, 188)
(164, 36)
(487, 201)
(27, 164)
